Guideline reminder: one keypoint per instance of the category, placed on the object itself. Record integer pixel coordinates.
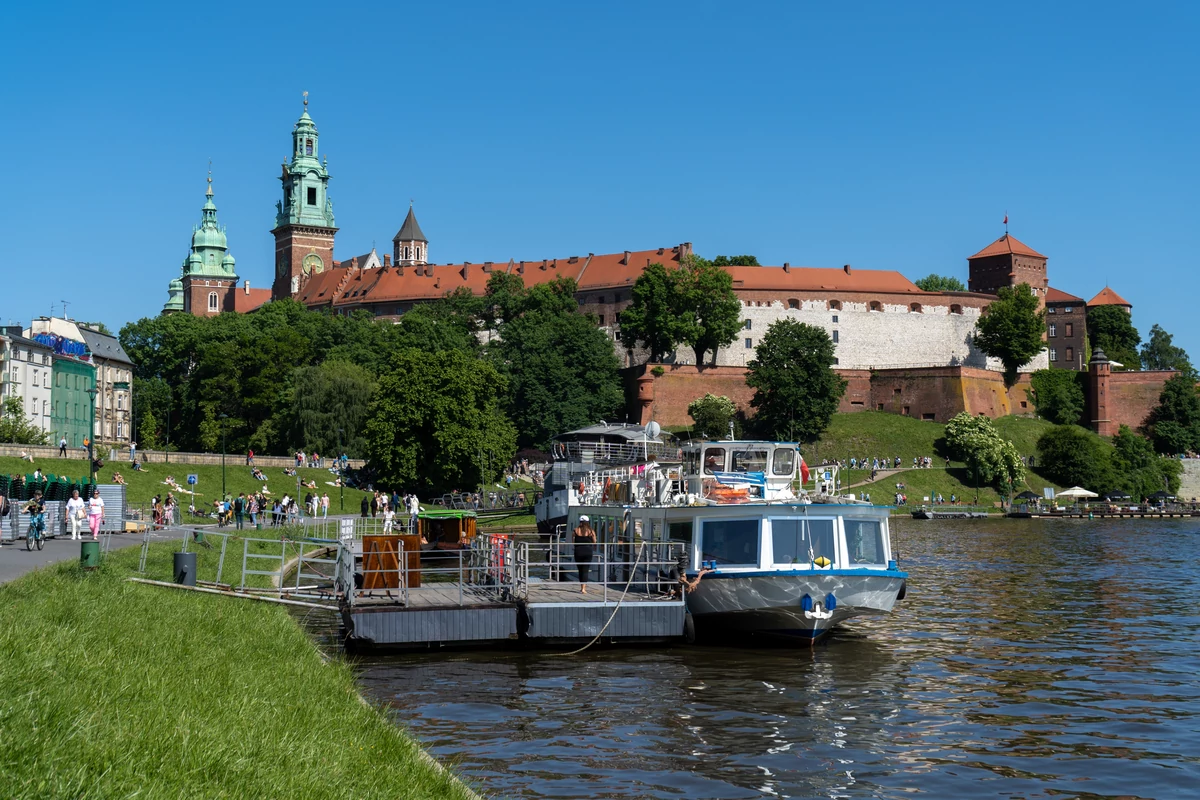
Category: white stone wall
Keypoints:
(893, 337)
(28, 376)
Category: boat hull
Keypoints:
(772, 604)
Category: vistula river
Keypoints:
(1031, 659)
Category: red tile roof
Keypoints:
(247, 300)
(1108, 297)
(1006, 245)
(1055, 296)
(816, 279)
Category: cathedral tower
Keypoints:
(304, 226)
(208, 276)
(1008, 262)
(409, 246)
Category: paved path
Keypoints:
(15, 560)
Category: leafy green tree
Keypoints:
(327, 398)
(706, 294)
(1174, 424)
(1110, 328)
(940, 283)
(561, 370)
(1011, 329)
(990, 458)
(1140, 470)
(655, 318)
(436, 423)
(796, 391)
(735, 261)
(712, 415)
(1057, 395)
(504, 297)
(1159, 353)
(1073, 456)
(16, 428)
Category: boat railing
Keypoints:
(639, 567)
(617, 452)
(486, 571)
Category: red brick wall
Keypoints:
(1132, 395)
(292, 244)
(195, 296)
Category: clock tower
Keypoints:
(304, 226)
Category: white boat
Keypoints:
(772, 558)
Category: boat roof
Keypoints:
(615, 430)
(434, 513)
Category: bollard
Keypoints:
(89, 554)
(185, 569)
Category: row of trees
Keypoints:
(1074, 456)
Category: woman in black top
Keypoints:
(585, 544)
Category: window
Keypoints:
(956, 309)
(793, 303)
(714, 460)
(749, 461)
(617, 335)
(835, 337)
(1068, 329)
(312, 195)
(915, 308)
(1050, 310)
(407, 253)
(864, 542)
(212, 301)
(46, 380)
(601, 319)
(905, 411)
(45, 407)
(1052, 329)
(749, 344)
(876, 306)
(835, 319)
(783, 462)
(835, 305)
(308, 149)
(924, 417)
(746, 325)
(1070, 354)
(1053, 354)
(1067, 310)
(35, 377)
(802, 541)
(730, 541)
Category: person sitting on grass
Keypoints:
(26, 457)
(291, 473)
(118, 478)
(136, 467)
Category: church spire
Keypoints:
(409, 245)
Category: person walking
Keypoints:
(365, 506)
(325, 505)
(414, 508)
(95, 513)
(239, 511)
(585, 550)
(62, 451)
(375, 504)
(388, 516)
(132, 451)
(75, 513)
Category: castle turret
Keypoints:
(409, 246)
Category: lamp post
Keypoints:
(167, 449)
(222, 418)
(91, 393)
(341, 477)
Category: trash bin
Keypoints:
(185, 569)
(89, 554)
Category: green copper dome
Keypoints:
(174, 297)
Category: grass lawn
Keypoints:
(922, 483)
(144, 484)
(114, 689)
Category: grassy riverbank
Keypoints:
(144, 484)
(114, 689)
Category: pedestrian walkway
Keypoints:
(16, 561)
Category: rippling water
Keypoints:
(1031, 658)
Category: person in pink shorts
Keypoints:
(95, 512)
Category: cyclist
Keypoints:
(36, 509)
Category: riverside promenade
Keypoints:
(16, 561)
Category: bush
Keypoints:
(712, 414)
(1057, 394)
(1073, 456)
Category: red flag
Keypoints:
(1006, 218)
(803, 471)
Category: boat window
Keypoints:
(714, 460)
(864, 542)
(731, 542)
(801, 541)
(749, 461)
(692, 462)
(680, 531)
(784, 463)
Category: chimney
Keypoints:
(625, 260)
(521, 269)
(685, 249)
(354, 263)
(571, 260)
(787, 267)
(660, 250)
(466, 270)
(247, 286)
(487, 267)
(545, 265)
(848, 270)
(387, 260)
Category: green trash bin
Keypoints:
(89, 554)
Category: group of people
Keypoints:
(381, 504)
(77, 510)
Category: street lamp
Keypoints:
(92, 392)
(341, 476)
(223, 417)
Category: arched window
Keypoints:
(212, 301)
(835, 305)
(876, 306)
(308, 148)
(407, 251)
(793, 302)
(956, 309)
(915, 308)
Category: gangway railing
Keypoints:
(644, 567)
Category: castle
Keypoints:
(881, 323)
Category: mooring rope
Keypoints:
(611, 617)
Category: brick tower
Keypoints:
(1007, 262)
(304, 227)
(1099, 370)
(208, 278)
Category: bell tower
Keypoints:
(304, 226)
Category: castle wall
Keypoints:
(1132, 395)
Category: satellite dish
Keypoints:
(652, 430)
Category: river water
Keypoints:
(1031, 659)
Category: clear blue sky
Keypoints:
(889, 136)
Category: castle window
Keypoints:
(835, 305)
(1067, 310)
(312, 195)
(835, 337)
(1068, 329)
(308, 148)
(915, 308)
(600, 299)
(1052, 329)
(793, 303)
(407, 252)
(601, 319)
(956, 309)
(749, 344)
(876, 306)
(747, 326)
(1070, 354)
(1053, 354)
(1050, 310)
(835, 319)
(212, 301)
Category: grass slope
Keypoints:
(143, 485)
(123, 690)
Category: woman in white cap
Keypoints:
(585, 550)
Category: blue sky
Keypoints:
(887, 136)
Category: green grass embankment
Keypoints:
(115, 689)
(144, 484)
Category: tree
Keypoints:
(990, 458)
(712, 414)
(1057, 395)
(940, 283)
(436, 423)
(1110, 328)
(1174, 424)
(16, 428)
(1011, 329)
(655, 317)
(796, 390)
(1139, 469)
(326, 398)
(1159, 353)
(735, 261)
(1073, 456)
(714, 312)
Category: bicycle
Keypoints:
(36, 535)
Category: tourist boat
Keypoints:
(774, 559)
